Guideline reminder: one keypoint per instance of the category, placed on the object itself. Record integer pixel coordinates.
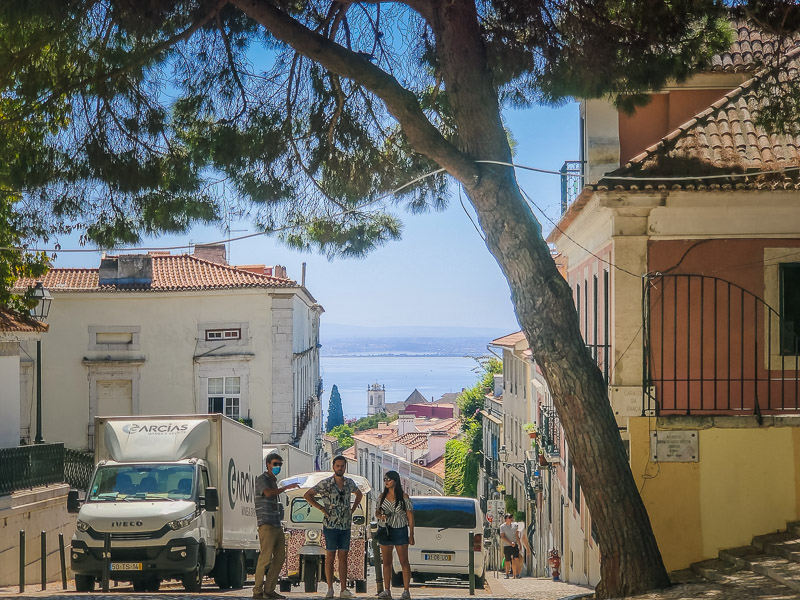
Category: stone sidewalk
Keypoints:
(536, 588)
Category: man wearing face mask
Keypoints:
(270, 532)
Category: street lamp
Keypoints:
(39, 312)
(502, 454)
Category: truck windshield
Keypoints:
(142, 482)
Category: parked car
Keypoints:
(441, 532)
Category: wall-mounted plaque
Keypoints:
(674, 446)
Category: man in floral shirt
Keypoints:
(335, 493)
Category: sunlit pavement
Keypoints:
(527, 587)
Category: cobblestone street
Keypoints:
(527, 587)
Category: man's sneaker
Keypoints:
(274, 595)
(345, 593)
(329, 593)
(405, 595)
(385, 594)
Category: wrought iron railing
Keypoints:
(78, 468)
(571, 182)
(304, 417)
(712, 346)
(549, 430)
(30, 466)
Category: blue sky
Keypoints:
(439, 274)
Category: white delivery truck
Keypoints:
(295, 461)
(175, 497)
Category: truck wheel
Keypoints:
(236, 570)
(479, 581)
(361, 586)
(310, 575)
(221, 577)
(193, 581)
(84, 583)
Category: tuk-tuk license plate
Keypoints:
(126, 566)
(439, 557)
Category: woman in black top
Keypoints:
(395, 508)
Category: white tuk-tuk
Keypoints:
(305, 544)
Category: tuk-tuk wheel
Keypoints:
(361, 586)
(285, 585)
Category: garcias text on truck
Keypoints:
(174, 497)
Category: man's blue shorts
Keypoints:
(336, 539)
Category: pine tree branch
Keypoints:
(400, 102)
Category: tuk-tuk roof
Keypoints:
(309, 480)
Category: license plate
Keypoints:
(440, 557)
(125, 566)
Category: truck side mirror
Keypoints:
(73, 502)
(211, 502)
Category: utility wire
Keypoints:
(410, 183)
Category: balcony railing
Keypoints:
(549, 430)
(715, 347)
(78, 468)
(571, 183)
(30, 466)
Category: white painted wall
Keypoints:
(170, 366)
(9, 397)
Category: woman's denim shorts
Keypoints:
(398, 536)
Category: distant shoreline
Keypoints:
(399, 355)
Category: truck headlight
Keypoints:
(82, 525)
(182, 522)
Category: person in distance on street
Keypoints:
(270, 532)
(335, 492)
(509, 537)
(395, 508)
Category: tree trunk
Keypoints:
(630, 559)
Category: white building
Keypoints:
(414, 447)
(178, 334)
(14, 330)
(376, 399)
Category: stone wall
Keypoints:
(35, 510)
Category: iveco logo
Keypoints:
(438, 536)
(126, 523)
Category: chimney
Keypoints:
(303, 277)
(498, 385)
(126, 269)
(436, 443)
(211, 252)
(405, 424)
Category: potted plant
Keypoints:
(542, 458)
(531, 429)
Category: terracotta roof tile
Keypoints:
(509, 340)
(450, 426)
(350, 453)
(414, 440)
(170, 273)
(750, 49)
(722, 139)
(12, 321)
(437, 466)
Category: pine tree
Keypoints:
(335, 411)
(312, 144)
